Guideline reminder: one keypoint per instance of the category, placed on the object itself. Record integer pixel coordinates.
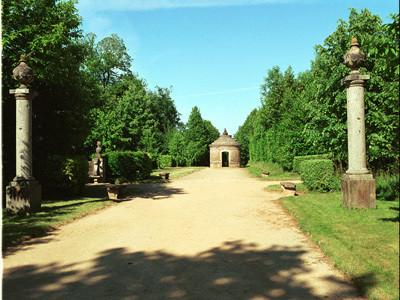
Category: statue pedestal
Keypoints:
(358, 191)
(23, 196)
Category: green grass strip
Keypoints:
(51, 215)
(276, 172)
(364, 244)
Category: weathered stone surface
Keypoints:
(97, 166)
(164, 175)
(289, 185)
(23, 197)
(225, 144)
(358, 186)
(358, 191)
(116, 191)
(23, 73)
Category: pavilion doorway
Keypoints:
(225, 159)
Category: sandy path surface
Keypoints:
(214, 234)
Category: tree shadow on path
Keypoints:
(234, 270)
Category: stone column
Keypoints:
(23, 195)
(358, 185)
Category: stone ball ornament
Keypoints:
(355, 58)
(23, 73)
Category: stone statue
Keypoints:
(98, 150)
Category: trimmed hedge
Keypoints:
(165, 161)
(318, 175)
(299, 159)
(64, 176)
(128, 166)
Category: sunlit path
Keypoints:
(215, 234)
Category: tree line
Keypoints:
(87, 93)
(306, 114)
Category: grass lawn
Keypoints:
(276, 172)
(54, 213)
(364, 244)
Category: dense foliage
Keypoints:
(63, 176)
(87, 93)
(48, 32)
(299, 159)
(128, 166)
(306, 114)
(318, 175)
(165, 161)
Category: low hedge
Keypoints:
(299, 159)
(128, 166)
(318, 175)
(63, 176)
(165, 161)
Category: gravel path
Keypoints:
(214, 234)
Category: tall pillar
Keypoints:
(358, 185)
(23, 195)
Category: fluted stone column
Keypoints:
(358, 185)
(23, 195)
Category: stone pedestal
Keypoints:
(358, 191)
(23, 196)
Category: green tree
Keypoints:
(107, 59)
(199, 134)
(195, 135)
(381, 98)
(48, 32)
(245, 134)
(134, 118)
(177, 147)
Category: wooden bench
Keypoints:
(264, 174)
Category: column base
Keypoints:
(23, 196)
(358, 191)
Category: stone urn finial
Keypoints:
(225, 132)
(98, 150)
(23, 73)
(355, 58)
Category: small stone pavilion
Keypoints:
(225, 152)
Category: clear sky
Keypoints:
(215, 54)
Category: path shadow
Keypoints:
(234, 270)
(156, 191)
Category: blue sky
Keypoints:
(215, 54)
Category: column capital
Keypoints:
(355, 78)
(23, 93)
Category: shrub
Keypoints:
(165, 161)
(64, 176)
(387, 187)
(318, 175)
(299, 159)
(126, 166)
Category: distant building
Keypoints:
(225, 152)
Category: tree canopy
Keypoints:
(307, 114)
